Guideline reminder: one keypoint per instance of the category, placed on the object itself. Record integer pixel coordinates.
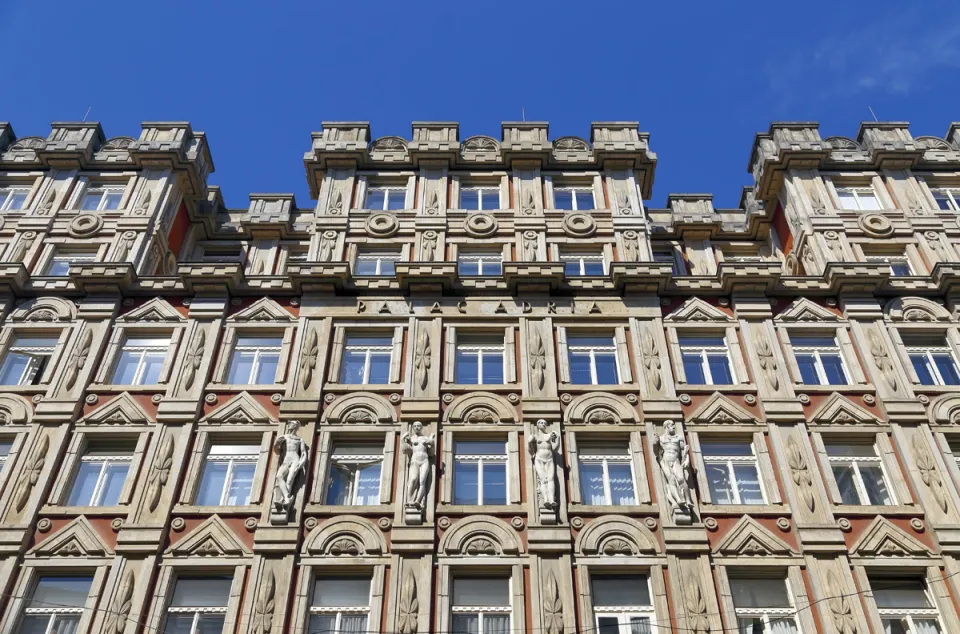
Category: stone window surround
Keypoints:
(729, 331)
(62, 331)
(312, 567)
(618, 333)
(833, 180)
(761, 450)
(342, 329)
(631, 439)
(848, 354)
(231, 331)
(930, 181)
(731, 249)
(560, 245)
(894, 474)
(33, 181)
(199, 250)
(80, 184)
(933, 577)
(205, 437)
(285, 249)
(674, 249)
(52, 244)
(945, 437)
(80, 441)
(121, 332)
(892, 246)
(451, 567)
(273, 252)
(586, 179)
(396, 244)
(329, 437)
(366, 179)
(652, 566)
(951, 334)
(472, 431)
(510, 334)
(478, 179)
(16, 435)
(32, 569)
(768, 566)
(455, 244)
(166, 581)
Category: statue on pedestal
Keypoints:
(543, 448)
(293, 452)
(673, 456)
(418, 448)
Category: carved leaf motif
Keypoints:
(768, 363)
(78, 358)
(20, 251)
(929, 473)
(882, 360)
(617, 546)
(601, 416)
(481, 415)
(696, 607)
(552, 606)
(30, 475)
(336, 207)
(194, 358)
(800, 472)
(266, 603)
(258, 267)
(122, 602)
(651, 360)
(817, 202)
(409, 606)
(538, 360)
(481, 546)
(160, 472)
(308, 361)
(345, 546)
(422, 359)
(433, 203)
(529, 204)
(358, 415)
(144, 205)
(843, 618)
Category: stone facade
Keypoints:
(749, 416)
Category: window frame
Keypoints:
(387, 189)
(582, 257)
(351, 458)
(484, 191)
(592, 351)
(908, 614)
(346, 434)
(344, 329)
(817, 351)
(232, 460)
(106, 190)
(892, 260)
(238, 325)
(452, 335)
(623, 614)
(928, 352)
(704, 353)
(339, 611)
(482, 610)
(729, 461)
(380, 256)
(604, 460)
(575, 435)
(368, 351)
(575, 191)
(839, 329)
(952, 196)
(481, 256)
(479, 432)
(258, 350)
(857, 191)
(96, 497)
(53, 612)
(622, 360)
(488, 350)
(211, 434)
(6, 203)
(480, 460)
(165, 349)
(60, 253)
(39, 367)
(860, 487)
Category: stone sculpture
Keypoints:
(293, 452)
(674, 459)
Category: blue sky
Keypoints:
(702, 77)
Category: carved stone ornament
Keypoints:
(159, 473)
(768, 362)
(47, 207)
(31, 473)
(389, 144)
(194, 358)
(428, 246)
(571, 144)
(816, 201)
(143, 207)
(22, 247)
(481, 144)
(529, 246)
(381, 225)
(293, 454)
(336, 205)
(834, 247)
(800, 473)
(929, 474)
(623, 202)
(407, 619)
(543, 448)
(579, 225)
(673, 456)
(529, 204)
(308, 358)
(78, 359)
(552, 605)
(119, 612)
(631, 248)
(875, 225)
(538, 360)
(418, 449)
(85, 226)
(328, 241)
(844, 620)
(433, 204)
(480, 225)
(266, 604)
(697, 618)
(422, 358)
(882, 359)
(124, 246)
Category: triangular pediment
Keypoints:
(121, 410)
(749, 537)
(212, 538)
(264, 309)
(805, 310)
(887, 539)
(76, 539)
(154, 310)
(839, 410)
(721, 410)
(695, 309)
(241, 409)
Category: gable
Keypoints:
(154, 310)
(887, 539)
(839, 410)
(695, 309)
(212, 538)
(76, 539)
(264, 309)
(720, 409)
(123, 409)
(805, 310)
(749, 537)
(242, 408)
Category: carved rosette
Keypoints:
(120, 608)
(929, 474)
(882, 359)
(194, 358)
(78, 359)
(552, 605)
(651, 361)
(308, 358)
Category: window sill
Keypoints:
(97, 511)
(743, 509)
(474, 387)
(862, 388)
(856, 510)
(706, 389)
(474, 509)
(360, 387)
(622, 388)
(246, 387)
(934, 389)
(24, 389)
(189, 509)
(614, 509)
(346, 509)
(146, 389)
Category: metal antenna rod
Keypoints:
(88, 112)
(523, 114)
(871, 112)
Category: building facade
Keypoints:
(479, 387)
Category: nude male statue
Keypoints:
(674, 458)
(293, 454)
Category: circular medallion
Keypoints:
(480, 225)
(579, 225)
(85, 226)
(382, 225)
(875, 225)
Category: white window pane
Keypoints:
(152, 363)
(721, 489)
(748, 484)
(621, 484)
(341, 592)
(125, 370)
(466, 483)
(874, 484)
(481, 591)
(241, 484)
(869, 202)
(195, 592)
(591, 483)
(267, 368)
(14, 368)
(368, 485)
(845, 476)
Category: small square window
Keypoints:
(340, 604)
(899, 264)
(13, 198)
(354, 478)
(731, 470)
(477, 263)
(480, 605)
(385, 198)
(480, 359)
(199, 605)
(573, 198)
(480, 472)
(100, 476)
(475, 198)
(859, 474)
(26, 359)
(819, 359)
(255, 360)
(606, 475)
(56, 605)
(366, 360)
(593, 360)
(140, 360)
(62, 258)
(706, 360)
(227, 478)
(376, 263)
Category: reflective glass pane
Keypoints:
(210, 624)
(152, 363)
(593, 267)
(496, 624)
(35, 624)
(693, 368)
(847, 200)
(762, 592)
(353, 365)
(202, 592)
(85, 483)
(900, 269)
(808, 369)
(325, 623)
(114, 477)
(943, 201)
(374, 199)
(868, 202)
(241, 483)
(17, 200)
(748, 483)
(469, 267)
(721, 489)
(125, 371)
(64, 592)
(591, 483)
(368, 484)
(112, 200)
(874, 484)
(481, 591)
(466, 623)
(833, 368)
(572, 268)
(481, 448)
(720, 369)
(466, 483)
(58, 268)
(851, 450)
(493, 368)
(365, 267)
(469, 199)
(606, 368)
(90, 202)
(387, 267)
(379, 368)
(845, 476)
(621, 483)
(341, 592)
(608, 625)
(584, 201)
(396, 199)
(467, 367)
(719, 448)
(495, 483)
(267, 368)
(689, 342)
(562, 200)
(947, 368)
(620, 590)
(241, 366)
(639, 625)
(922, 368)
(13, 368)
(899, 592)
(357, 340)
(580, 369)
(212, 481)
(341, 479)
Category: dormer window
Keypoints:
(101, 197)
(13, 198)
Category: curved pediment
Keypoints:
(616, 535)
(346, 535)
(480, 407)
(360, 408)
(480, 535)
(915, 309)
(45, 309)
(600, 408)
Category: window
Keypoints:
(480, 359)
(5, 447)
(763, 606)
(582, 264)
(479, 198)
(819, 359)
(932, 359)
(100, 476)
(480, 472)
(295, 255)
(858, 198)
(606, 475)
(227, 478)
(26, 360)
(954, 450)
(621, 604)
(666, 256)
(366, 360)
(573, 198)
(340, 605)
(731, 470)
(593, 360)
(859, 473)
(376, 263)
(706, 360)
(199, 605)
(222, 254)
(481, 605)
(255, 360)
(101, 197)
(947, 199)
(385, 198)
(904, 605)
(60, 261)
(140, 360)
(354, 478)
(13, 198)
(56, 605)
(899, 264)
(479, 262)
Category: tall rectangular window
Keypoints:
(904, 605)
(26, 359)
(947, 199)
(480, 605)
(763, 606)
(706, 360)
(573, 198)
(366, 360)
(621, 604)
(480, 198)
(731, 470)
(480, 472)
(376, 263)
(255, 360)
(479, 262)
(859, 473)
(340, 605)
(227, 478)
(13, 198)
(56, 605)
(932, 359)
(606, 475)
(819, 359)
(354, 478)
(140, 360)
(101, 197)
(385, 198)
(858, 198)
(199, 605)
(593, 360)
(480, 359)
(582, 264)
(100, 476)
(60, 261)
